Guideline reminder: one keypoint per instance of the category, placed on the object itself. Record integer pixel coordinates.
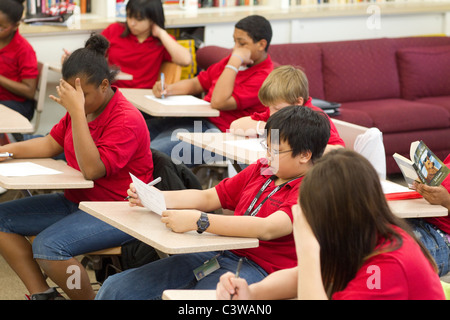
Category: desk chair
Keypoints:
(40, 94)
(366, 141)
(172, 72)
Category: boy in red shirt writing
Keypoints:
(261, 197)
(231, 85)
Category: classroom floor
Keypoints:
(11, 288)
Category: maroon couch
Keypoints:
(399, 85)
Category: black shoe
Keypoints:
(50, 294)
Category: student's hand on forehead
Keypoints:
(71, 98)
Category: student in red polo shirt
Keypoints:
(105, 137)
(285, 86)
(261, 197)
(348, 242)
(18, 63)
(435, 232)
(139, 46)
(231, 85)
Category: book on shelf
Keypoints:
(54, 12)
(423, 166)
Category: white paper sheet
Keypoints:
(183, 100)
(151, 198)
(248, 144)
(391, 187)
(24, 169)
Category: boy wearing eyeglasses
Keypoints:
(261, 197)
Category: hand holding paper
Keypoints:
(150, 197)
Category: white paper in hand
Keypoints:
(151, 198)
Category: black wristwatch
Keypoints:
(202, 223)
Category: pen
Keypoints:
(150, 184)
(238, 270)
(162, 84)
(6, 155)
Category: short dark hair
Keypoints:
(13, 9)
(257, 28)
(145, 9)
(302, 128)
(90, 62)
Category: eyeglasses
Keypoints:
(271, 152)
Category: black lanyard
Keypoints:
(258, 195)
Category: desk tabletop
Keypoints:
(151, 107)
(70, 178)
(13, 122)
(224, 144)
(416, 208)
(147, 227)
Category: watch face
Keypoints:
(203, 222)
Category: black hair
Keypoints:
(257, 28)
(90, 62)
(145, 9)
(302, 128)
(13, 9)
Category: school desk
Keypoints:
(139, 98)
(248, 151)
(69, 178)
(56, 66)
(233, 147)
(13, 122)
(146, 226)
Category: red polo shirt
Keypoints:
(141, 60)
(17, 62)
(245, 92)
(443, 223)
(122, 139)
(335, 139)
(238, 192)
(402, 274)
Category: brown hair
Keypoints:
(284, 84)
(343, 202)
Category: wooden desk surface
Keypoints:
(137, 97)
(216, 142)
(147, 227)
(189, 295)
(416, 208)
(69, 179)
(13, 122)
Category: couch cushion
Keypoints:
(360, 70)
(398, 115)
(358, 117)
(443, 101)
(306, 56)
(209, 55)
(424, 71)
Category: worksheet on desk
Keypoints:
(248, 144)
(24, 169)
(151, 198)
(182, 100)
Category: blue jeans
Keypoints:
(25, 108)
(62, 230)
(163, 136)
(434, 242)
(175, 272)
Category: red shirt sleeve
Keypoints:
(230, 190)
